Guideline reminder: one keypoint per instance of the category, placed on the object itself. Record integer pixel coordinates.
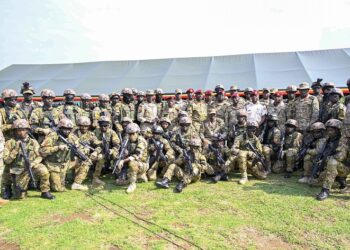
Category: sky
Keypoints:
(68, 31)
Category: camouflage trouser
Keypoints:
(152, 171)
(183, 176)
(268, 153)
(246, 165)
(136, 169)
(210, 169)
(100, 162)
(80, 169)
(230, 164)
(288, 162)
(333, 169)
(307, 164)
(39, 171)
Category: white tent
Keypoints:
(272, 70)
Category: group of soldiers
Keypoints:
(149, 136)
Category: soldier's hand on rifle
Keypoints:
(63, 147)
(45, 131)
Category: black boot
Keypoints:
(7, 193)
(217, 177)
(180, 186)
(288, 174)
(323, 195)
(163, 183)
(47, 195)
(341, 181)
(224, 177)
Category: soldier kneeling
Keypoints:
(247, 159)
(21, 156)
(187, 168)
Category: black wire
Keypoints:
(149, 222)
(135, 222)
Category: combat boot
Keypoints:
(76, 186)
(342, 183)
(131, 188)
(143, 178)
(288, 174)
(224, 177)
(163, 183)
(217, 177)
(323, 195)
(47, 195)
(244, 179)
(180, 186)
(97, 182)
(304, 180)
(7, 193)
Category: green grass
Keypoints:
(271, 214)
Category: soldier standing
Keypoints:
(306, 108)
(179, 103)
(278, 108)
(44, 118)
(21, 154)
(86, 105)
(316, 88)
(161, 104)
(212, 126)
(290, 104)
(2, 146)
(265, 100)
(221, 105)
(69, 110)
(127, 108)
(103, 109)
(147, 112)
(335, 109)
(10, 112)
(171, 110)
(27, 105)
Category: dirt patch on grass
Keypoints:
(114, 247)
(63, 219)
(252, 237)
(8, 245)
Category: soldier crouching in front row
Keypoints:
(61, 150)
(187, 168)
(21, 156)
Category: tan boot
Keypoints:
(244, 179)
(97, 182)
(144, 178)
(131, 188)
(76, 186)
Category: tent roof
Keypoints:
(273, 70)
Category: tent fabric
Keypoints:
(272, 70)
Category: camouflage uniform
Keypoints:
(86, 105)
(280, 111)
(101, 111)
(161, 104)
(306, 109)
(171, 112)
(292, 143)
(211, 127)
(180, 104)
(271, 142)
(2, 146)
(178, 168)
(197, 110)
(44, 118)
(315, 146)
(246, 158)
(335, 110)
(9, 114)
(58, 158)
(69, 110)
(221, 109)
(127, 109)
(112, 144)
(15, 166)
(290, 104)
(137, 157)
(147, 112)
(157, 162)
(338, 163)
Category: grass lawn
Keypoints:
(271, 214)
